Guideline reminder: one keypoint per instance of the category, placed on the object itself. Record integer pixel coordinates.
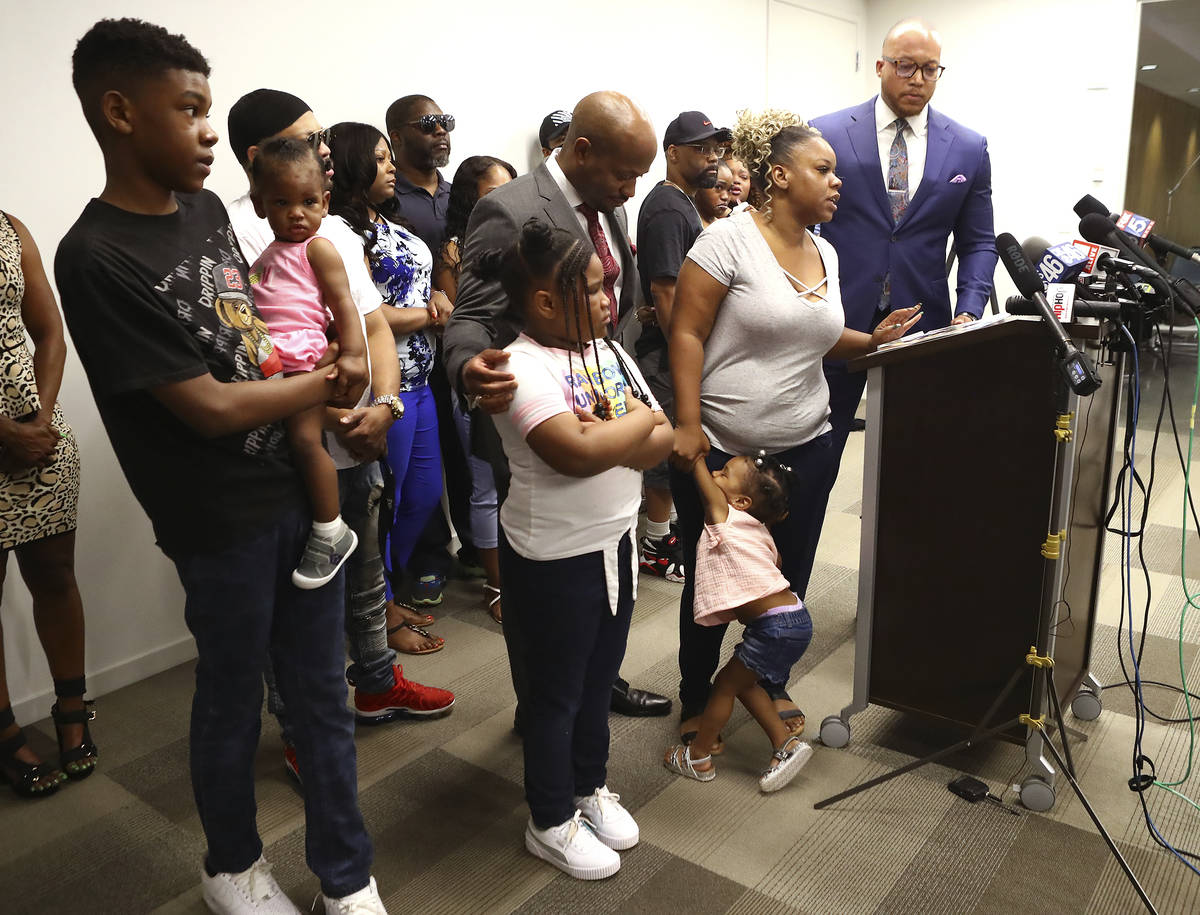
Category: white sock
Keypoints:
(327, 529)
(656, 530)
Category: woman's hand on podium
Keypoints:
(895, 325)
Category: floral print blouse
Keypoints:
(402, 268)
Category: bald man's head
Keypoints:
(609, 145)
(908, 42)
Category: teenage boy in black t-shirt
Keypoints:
(156, 295)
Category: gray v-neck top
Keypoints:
(762, 384)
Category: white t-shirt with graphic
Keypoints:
(548, 515)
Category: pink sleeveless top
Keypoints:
(736, 562)
(288, 297)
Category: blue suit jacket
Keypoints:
(869, 244)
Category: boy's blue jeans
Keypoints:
(242, 607)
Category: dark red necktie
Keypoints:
(612, 269)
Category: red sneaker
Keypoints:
(403, 699)
(290, 765)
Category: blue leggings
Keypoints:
(415, 458)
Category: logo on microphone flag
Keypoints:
(1061, 297)
(1133, 224)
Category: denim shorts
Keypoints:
(771, 645)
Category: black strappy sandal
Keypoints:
(27, 780)
(77, 762)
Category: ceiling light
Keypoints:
(1149, 66)
(1194, 89)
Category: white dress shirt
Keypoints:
(915, 138)
(606, 224)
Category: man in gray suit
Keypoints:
(581, 188)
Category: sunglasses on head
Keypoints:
(428, 123)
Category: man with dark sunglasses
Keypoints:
(420, 136)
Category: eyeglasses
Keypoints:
(318, 137)
(429, 123)
(906, 68)
(708, 149)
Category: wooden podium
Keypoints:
(958, 480)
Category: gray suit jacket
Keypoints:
(480, 318)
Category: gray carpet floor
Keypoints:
(443, 799)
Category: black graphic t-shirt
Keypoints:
(668, 226)
(154, 300)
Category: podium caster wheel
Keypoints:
(1037, 794)
(835, 733)
(1086, 706)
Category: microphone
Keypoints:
(1061, 263)
(1100, 230)
(1075, 366)
(1110, 264)
(1162, 246)
(1084, 308)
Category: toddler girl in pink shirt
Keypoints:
(738, 577)
(298, 282)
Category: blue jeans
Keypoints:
(414, 456)
(771, 645)
(796, 538)
(360, 489)
(241, 607)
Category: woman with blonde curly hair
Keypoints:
(757, 309)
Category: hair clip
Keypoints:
(762, 460)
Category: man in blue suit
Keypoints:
(912, 177)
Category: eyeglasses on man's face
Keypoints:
(708, 150)
(317, 138)
(906, 68)
(429, 123)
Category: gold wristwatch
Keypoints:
(393, 402)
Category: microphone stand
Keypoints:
(1171, 192)
(1043, 692)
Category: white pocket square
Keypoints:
(959, 179)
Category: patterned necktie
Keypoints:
(897, 187)
(611, 268)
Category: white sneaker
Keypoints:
(365, 902)
(254, 890)
(573, 848)
(609, 820)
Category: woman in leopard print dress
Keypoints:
(39, 495)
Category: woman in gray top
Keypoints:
(758, 308)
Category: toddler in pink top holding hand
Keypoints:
(298, 281)
(738, 577)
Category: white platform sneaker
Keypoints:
(573, 848)
(609, 820)
(365, 902)
(251, 892)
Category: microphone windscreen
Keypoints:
(1034, 247)
(1018, 266)
(1089, 204)
(1097, 228)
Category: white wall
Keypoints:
(500, 68)
(1050, 84)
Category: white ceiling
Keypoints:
(1170, 38)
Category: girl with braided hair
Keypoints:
(580, 429)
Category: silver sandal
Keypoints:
(791, 759)
(492, 596)
(681, 763)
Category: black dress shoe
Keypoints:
(637, 703)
